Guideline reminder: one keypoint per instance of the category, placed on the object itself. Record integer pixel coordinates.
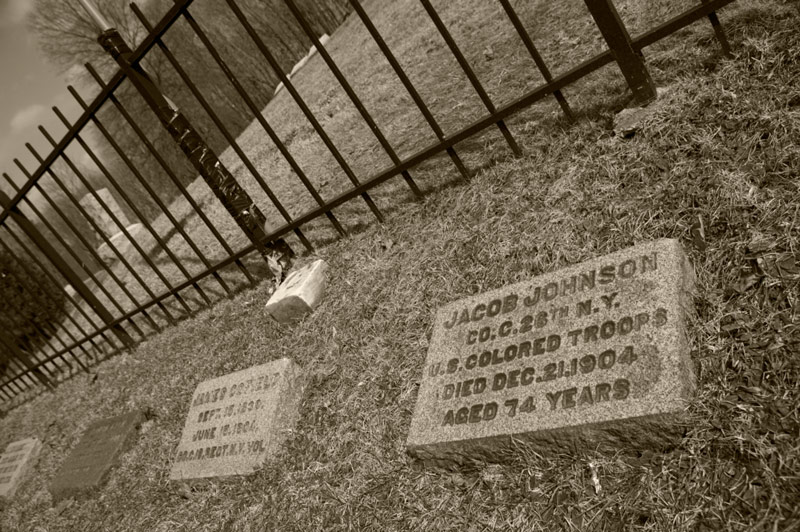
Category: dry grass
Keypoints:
(721, 150)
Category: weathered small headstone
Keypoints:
(100, 216)
(237, 421)
(299, 294)
(593, 356)
(89, 463)
(15, 462)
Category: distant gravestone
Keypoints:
(15, 462)
(299, 293)
(124, 245)
(239, 420)
(100, 216)
(594, 355)
(89, 463)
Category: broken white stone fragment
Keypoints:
(299, 294)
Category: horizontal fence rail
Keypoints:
(106, 267)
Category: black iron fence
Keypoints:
(164, 267)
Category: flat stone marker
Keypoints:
(299, 294)
(15, 463)
(239, 420)
(87, 466)
(591, 356)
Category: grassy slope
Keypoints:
(489, 43)
(722, 148)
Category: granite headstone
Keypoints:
(98, 450)
(594, 355)
(237, 421)
(15, 462)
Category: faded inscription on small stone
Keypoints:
(89, 463)
(237, 421)
(15, 462)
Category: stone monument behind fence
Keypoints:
(116, 237)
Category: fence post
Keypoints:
(233, 197)
(619, 41)
(64, 268)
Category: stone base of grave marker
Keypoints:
(99, 215)
(89, 463)
(122, 244)
(594, 356)
(299, 294)
(237, 421)
(18, 458)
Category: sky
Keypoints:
(29, 88)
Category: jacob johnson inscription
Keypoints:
(596, 342)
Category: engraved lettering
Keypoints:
(609, 299)
(627, 269)
(607, 274)
(569, 286)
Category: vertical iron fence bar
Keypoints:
(12, 380)
(171, 173)
(719, 31)
(224, 130)
(116, 221)
(13, 387)
(373, 31)
(23, 359)
(50, 336)
(348, 89)
(303, 107)
(473, 79)
(7, 395)
(537, 58)
(261, 120)
(47, 272)
(146, 44)
(37, 363)
(55, 282)
(53, 256)
(618, 40)
(32, 360)
(103, 237)
(223, 184)
(27, 283)
(83, 241)
(26, 377)
(71, 300)
(155, 198)
(133, 207)
(11, 377)
(21, 379)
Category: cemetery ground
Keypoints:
(715, 166)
